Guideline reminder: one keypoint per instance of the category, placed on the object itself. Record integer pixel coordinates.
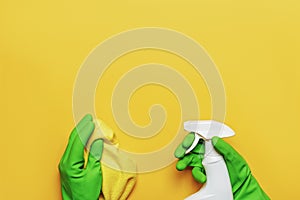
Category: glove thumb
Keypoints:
(95, 153)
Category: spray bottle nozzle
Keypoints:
(206, 130)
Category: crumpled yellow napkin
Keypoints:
(118, 171)
(119, 174)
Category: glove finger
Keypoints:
(74, 133)
(198, 174)
(76, 154)
(187, 142)
(199, 148)
(184, 162)
(95, 154)
(83, 121)
(228, 152)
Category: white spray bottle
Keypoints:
(217, 186)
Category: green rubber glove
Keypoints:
(244, 185)
(80, 182)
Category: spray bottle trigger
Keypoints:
(195, 142)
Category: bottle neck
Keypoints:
(210, 151)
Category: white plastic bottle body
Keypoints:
(217, 186)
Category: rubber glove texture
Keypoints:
(80, 182)
(244, 185)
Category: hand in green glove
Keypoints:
(77, 181)
(244, 185)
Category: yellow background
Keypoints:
(255, 45)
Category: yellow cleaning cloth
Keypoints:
(118, 171)
(119, 175)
